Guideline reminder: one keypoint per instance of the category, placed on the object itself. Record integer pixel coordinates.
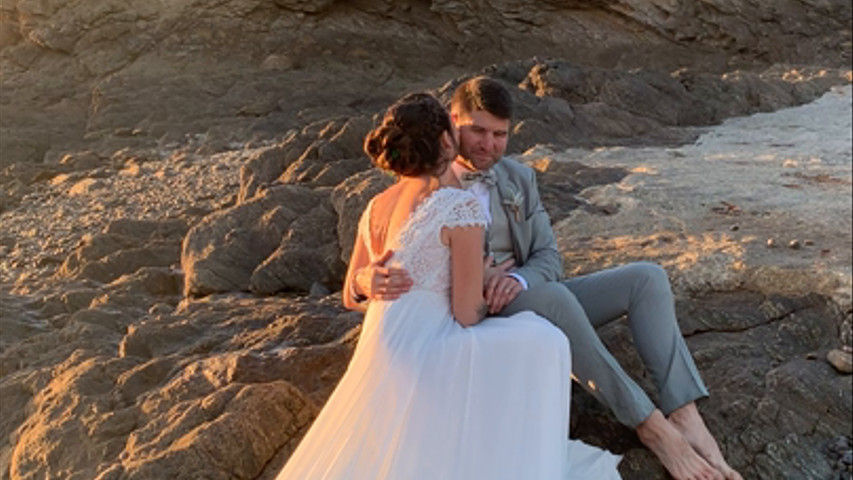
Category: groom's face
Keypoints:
(482, 137)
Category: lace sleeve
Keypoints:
(465, 211)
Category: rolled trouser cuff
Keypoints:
(683, 384)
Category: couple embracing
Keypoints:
(463, 367)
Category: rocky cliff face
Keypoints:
(181, 182)
(115, 73)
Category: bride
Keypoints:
(434, 390)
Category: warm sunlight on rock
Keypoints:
(671, 249)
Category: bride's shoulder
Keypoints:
(453, 194)
(461, 206)
(448, 197)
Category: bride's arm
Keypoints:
(360, 258)
(466, 270)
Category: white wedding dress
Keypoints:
(425, 399)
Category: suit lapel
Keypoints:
(505, 190)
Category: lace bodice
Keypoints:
(417, 246)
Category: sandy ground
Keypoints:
(708, 209)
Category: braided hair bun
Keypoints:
(408, 141)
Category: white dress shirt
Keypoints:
(481, 192)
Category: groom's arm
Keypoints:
(544, 262)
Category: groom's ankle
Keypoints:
(654, 428)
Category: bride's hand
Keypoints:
(378, 282)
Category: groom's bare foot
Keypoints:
(673, 450)
(688, 421)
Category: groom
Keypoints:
(527, 276)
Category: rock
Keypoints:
(277, 62)
(332, 157)
(155, 281)
(310, 6)
(48, 261)
(144, 377)
(61, 179)
(317, 290)
(86, 160)
(242, 426)
(79, 299)
(561, 182)
(266, 164)
(160, 309)
(113, 266)
(846, 333)
(348, 141)
(92, 248)
(131, 170)
(86, 383)
(125, 246)
(147, 229)
(841, 360)
(66, 57)
(771, 243)
(146, 341)
(308, 254)
(27, 174)
(111, 320)
(85, 187)
(12, 193)
(222, 251)
(795, 245)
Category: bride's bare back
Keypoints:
(391, 210)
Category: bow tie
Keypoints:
(470, 178)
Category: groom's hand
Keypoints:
(500, 289)
(378, 282)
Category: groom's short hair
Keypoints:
(482, 93)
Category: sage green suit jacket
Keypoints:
(530, 227)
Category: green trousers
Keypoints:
(642, 292)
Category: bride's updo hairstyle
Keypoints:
(408, 141)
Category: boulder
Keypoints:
(309, 253)
(309, 6)
(92, 248)
(266, 164)
(221, 252)
(154, 281)
(86, 160)
(332, 157)
(560, 184)
(230, 433)
(147, 229)
(62, 438)
(124, 246)
(123, 262)
(607, 106)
